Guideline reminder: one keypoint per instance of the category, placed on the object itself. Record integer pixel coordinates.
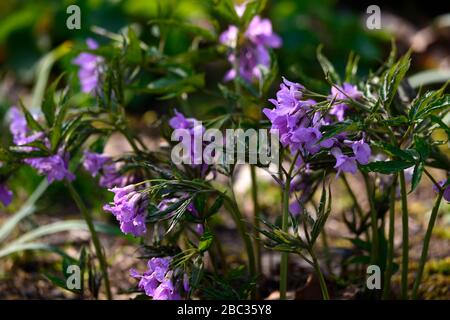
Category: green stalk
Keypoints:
(405, 242)
(95, 240)
(353, 196)
(374, 254)
(323, 284)
(239, 221)
(256, 219)
(390, 249)
(426, 244)
(284, 226)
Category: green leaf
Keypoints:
(327, 67)
(186, 27)
(361, 244)
(224, 9)
(31, 122)
(252, 9)
(406, 155)
(56, 132)
(18, 247)
(417, 175)
(174, 86)
(337, 128)
(133, 52)
(422, 147)
(66, 225)
(27, 209)
(351, 68)
(57, 281)
(441, 103)
(49, 104)
(358, 260)
(396, 121)
(387, 167)
(322, 215)
(391, 79)
(206, 241)
(421, 101)
(215, 206)
(441, 124)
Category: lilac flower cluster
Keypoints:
(298, 124)
(5, 194)
(55, 167)
(195, 129)
(254, 53)
(89, 72)
(106, 168)
(159, 281)
(129, 208)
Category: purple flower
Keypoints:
(294, 119)
(254, 53)
(109, 171)
(129, 208)
(446, 194)
(229, 37)
(195, 143)
(17, 125)
(260, 32)
(295, 208)
(362, 151)
(5, 195)
(55, 167)
(89, 72)
(94, 162)
(158, 281)
(198, 226)
(346, 92)
(111, 176)
(344, 163)
(308, 136)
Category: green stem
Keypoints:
(390, 249)
(353, 196)
(284, 226)
(373, 221)
(239, 221)
(358, 208)
(256, 218)
(426, 244)
(95, 240)
(405, 234)
(323, 284)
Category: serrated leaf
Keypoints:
(49, 104)
(31, 122)
(327, 67)
(391, 79)
(417, 175)
(387, 167)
